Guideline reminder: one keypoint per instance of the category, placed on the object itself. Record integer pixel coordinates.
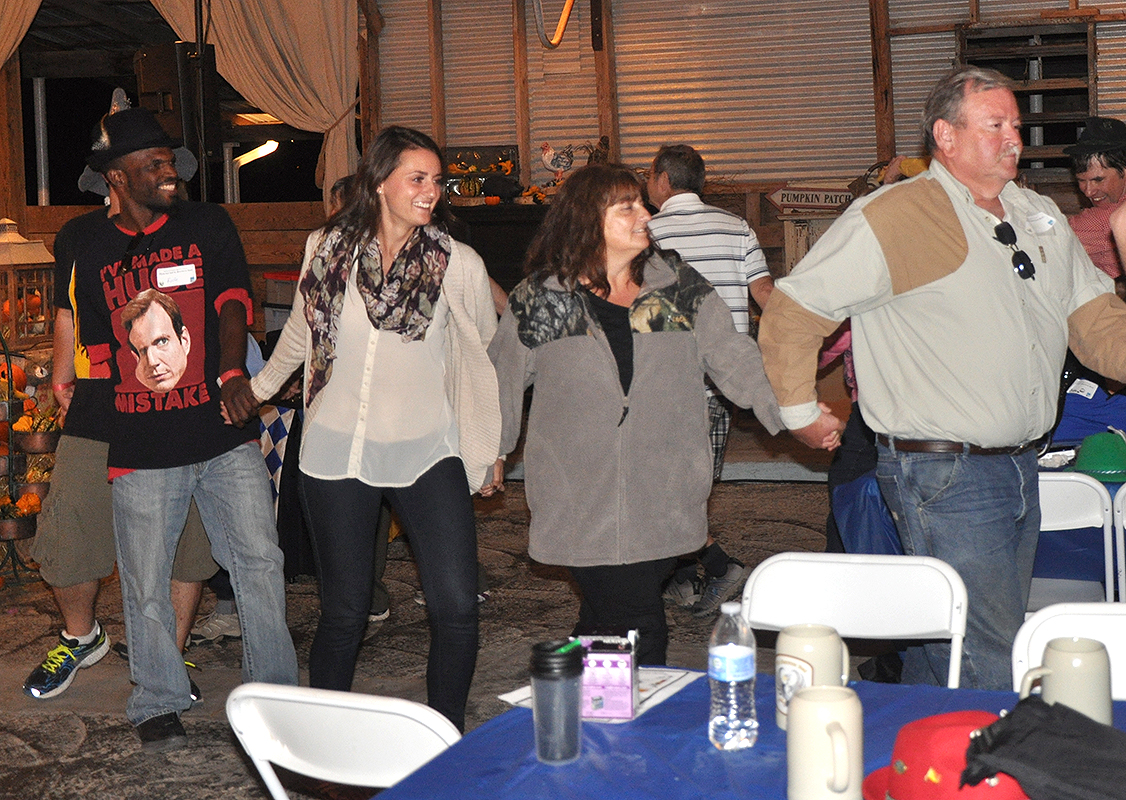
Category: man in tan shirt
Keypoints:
(964, 291)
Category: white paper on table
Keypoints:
(656, 684)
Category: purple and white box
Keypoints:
(610, 684)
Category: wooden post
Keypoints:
(437, 74)
(602, 35)
(881, 80)
(520, 78)
(13, 192)
(368, 45)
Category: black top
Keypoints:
(164, 409)
(614, 320)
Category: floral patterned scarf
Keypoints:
(401, 302)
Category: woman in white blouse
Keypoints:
(391, 319)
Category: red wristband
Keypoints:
(61, 387)
(226, 376)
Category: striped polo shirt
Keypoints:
(718, 244)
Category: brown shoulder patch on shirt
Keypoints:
(919, 232)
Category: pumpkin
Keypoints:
(8, 309)
(19, 377)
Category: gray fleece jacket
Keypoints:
(605, 486)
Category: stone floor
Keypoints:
(79, 744)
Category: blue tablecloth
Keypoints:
(665, 754)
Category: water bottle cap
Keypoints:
(557, 659)
(732, 607)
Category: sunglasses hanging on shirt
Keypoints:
(1022, 263)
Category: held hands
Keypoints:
(497, 482)
(822, 434)
(238, 402)
(63, 395)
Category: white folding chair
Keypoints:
(1104, 622)
(862, 596)
(343, 737)
(1120, 539)
(1073, 500)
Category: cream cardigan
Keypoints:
(471, 383)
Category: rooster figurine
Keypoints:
(558, 161)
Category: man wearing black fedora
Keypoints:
(169, 443)
(1098, 158)
(74, 544)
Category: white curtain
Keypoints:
(14, 23)
(294, 59)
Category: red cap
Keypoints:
(928, 760)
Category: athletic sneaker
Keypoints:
(683, 593)
(54, 675)
(718, 590)
(122, 650)
(216, 627)
(163, 732)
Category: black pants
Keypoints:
(627, 596)
(437, 515)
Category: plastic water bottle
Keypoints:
(732, 723)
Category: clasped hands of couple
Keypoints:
(824, 433)
(239, 404)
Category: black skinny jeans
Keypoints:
(437, 515)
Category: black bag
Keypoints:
(1053, 751)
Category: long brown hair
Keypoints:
(570, 244)
(358, 216)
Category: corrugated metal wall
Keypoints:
(404, 64)
(765, 91)
(913, 14)
(480, 100)
(562, 90)
(918, 61)
(1112, 68)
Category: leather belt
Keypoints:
(940, 446)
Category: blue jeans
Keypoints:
(437, 515)
(981, 515)
(232, 492)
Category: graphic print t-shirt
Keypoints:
(153, 299)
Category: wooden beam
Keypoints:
(606, 75)
(106, 15)
(77, 64)
(437, 73)
(368, 44)
(523, 101)
(881, 80)
(13, 192)
(372, 18)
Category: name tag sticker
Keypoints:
(1041, 222)
(179, 275)
(1083, 387)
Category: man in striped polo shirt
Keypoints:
(722, 247)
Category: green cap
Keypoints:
(1103, 456)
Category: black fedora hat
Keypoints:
(125, 132)
(1100, 135)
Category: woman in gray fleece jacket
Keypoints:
(617, 338)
